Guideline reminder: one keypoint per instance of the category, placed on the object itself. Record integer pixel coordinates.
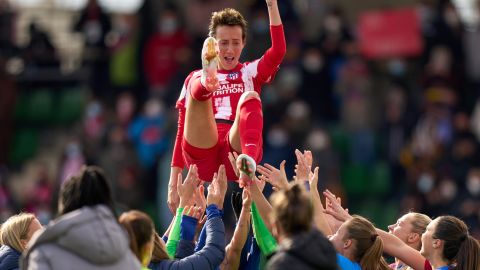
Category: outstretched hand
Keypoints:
(334, 208)
(303, 170)
(186, 188)
(276, 177)
(218, 188)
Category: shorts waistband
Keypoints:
(223, 121)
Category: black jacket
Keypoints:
(310, 250)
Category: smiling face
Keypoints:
(230, 45)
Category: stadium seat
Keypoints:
(24, 146)
(70, 105)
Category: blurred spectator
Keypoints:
(73, 160)
(165, 51)
(8, 95)
(7, 29)
(125, 57)
(94, 24)
(148, 134)
(40, 52)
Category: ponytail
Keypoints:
(372, 258)
(459, 247)
(468, 256)
(368, 248)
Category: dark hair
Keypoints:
(228, 17)
(140, 230)
(293, 210)
(89, 188)
(460, 247)
(368, 246)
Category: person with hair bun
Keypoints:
(14, 236)
(300, 246)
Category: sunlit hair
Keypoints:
(140, 230)
(228, 17)
(419, 222)
(459, 248)
(293, 210)
(368, 247)
(15, 229)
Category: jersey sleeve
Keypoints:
(269, 64)
(177, 156)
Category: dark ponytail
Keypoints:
(460, 248)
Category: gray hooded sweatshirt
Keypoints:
(87, 238)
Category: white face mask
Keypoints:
(312, 62)
(277, 137)
(425, 183)
(473, 185)
(168, 26)
(317, 140)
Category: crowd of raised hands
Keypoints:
(295, 229)
(263, 225)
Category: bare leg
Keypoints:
(200, 129)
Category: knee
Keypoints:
(247, 96)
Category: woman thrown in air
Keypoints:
(219, 107)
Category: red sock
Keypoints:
(251, 125)
(198, 91)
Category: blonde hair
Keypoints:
(15, 229)
(228, 17)
(419, 222)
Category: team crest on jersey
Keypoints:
(233, 75)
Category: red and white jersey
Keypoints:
(233, 83)
(249, 76)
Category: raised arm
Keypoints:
(185, 191)
(395, 247)
(273, 12)
(319, 216)
(177, 162)
(273, 57)
(263, 206)
(234, 249)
